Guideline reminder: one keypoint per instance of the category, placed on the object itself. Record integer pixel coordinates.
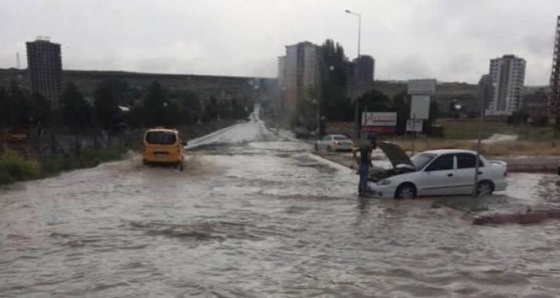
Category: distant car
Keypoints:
(163, 146)
(331, 143)
(436, 173)
(302, 132)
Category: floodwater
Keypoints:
(255, 215)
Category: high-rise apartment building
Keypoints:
(554, 98)
(508, 77)
(364, 68)
(44, 63)
(299, 73)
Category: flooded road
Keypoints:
(255, 215)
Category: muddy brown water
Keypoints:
(256, 219)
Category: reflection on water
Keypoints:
(272, 223)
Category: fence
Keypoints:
(59, 141)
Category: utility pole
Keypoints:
(359, 28)
(478, 144)
(356, 115)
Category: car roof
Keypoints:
(449, 151)
(338, 136)
(162, 129)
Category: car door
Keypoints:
(466, 166)
(439, 177)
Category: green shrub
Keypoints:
(5, 177)
(14, 167)
(56, 164)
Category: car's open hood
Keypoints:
(395, 154)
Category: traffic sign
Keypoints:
(414, 125)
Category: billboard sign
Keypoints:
(420, 107)
(422, 87)
(379, 129)
(379, 119)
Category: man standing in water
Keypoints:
(364, 162)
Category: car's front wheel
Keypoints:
(485, 188)
(329, 149)
(405, 191)
(316, 148)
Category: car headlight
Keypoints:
(384, 182)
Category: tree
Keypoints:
(191, 110)
(4, 107)
(375, 101)
(154, 105)
(106, 107)
(76, 112)
(401, 105)
(212, 108)
(40, 110)
(334, 102)
(119, 89)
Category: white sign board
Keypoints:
(422, 87)
(420, 107)
(379, 119)
(414, 125)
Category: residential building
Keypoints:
(282, 71)
(508, 77)
(44, 63)
(554, 99)
(299, 73)
(364, 68)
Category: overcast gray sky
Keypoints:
(451, 40)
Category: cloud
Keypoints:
(449, 40)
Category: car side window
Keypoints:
(442, 163)
(467, 161)
(327, 138)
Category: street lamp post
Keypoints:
(359, 28)
(356, 116)
(479, 143)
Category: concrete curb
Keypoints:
(332, 163)
(528, 216)
(532, 167)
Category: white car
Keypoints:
(331, 143)
(436, 173)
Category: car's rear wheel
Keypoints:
(485, 188)
(406, 191)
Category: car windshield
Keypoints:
(421, 160)
(341, 138)
(161, 138)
